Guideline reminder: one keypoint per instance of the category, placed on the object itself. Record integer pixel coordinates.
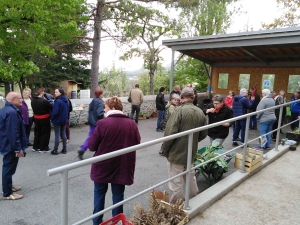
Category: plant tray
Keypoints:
(119, 219)
(292, 136)
(254, 159)
(185, 219)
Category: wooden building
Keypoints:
(270, 58)
(69, 86)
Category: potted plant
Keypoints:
(142, 115)
(154, 114)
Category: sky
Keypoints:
(254, 12)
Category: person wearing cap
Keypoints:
(185, 117)
(266, 119)
(239, 108)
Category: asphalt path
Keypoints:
(41, 202)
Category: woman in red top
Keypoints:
(229, 99)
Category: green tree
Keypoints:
(121, 20)
(161, 79)
(113, 82)
(29, 27)
(290, 16)
(211, 17)
(59, 68)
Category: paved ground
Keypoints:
(269, 197)
(41, 202)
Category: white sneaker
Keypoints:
(45, 151)
(35, 150)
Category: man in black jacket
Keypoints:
(161, 109)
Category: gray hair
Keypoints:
(243, 90)
(218, 98)
(187, 92)
(266, 91)
(175, 96)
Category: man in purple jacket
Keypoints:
(13, 143)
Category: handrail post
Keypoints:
(242, 170)
(64, 197)
(278, 131)
(188, 175)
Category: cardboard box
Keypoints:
(254, 159)
(161, 196)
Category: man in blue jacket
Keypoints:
(240, 106)
(295, 110)
(13, 141)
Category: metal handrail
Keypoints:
(63, 170)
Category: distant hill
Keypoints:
(136, 73)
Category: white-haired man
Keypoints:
(239, 108)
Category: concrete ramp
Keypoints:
(269, 196)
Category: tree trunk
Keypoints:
(152, 70)
(8, 87)
(96, 46)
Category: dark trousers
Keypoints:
(10, 163)
(135, 109)
(275, 126)
(100, 190)
(67, 130)
(28, 128)
(294, 125)
(240, 126)
(253, 121)
(60, 131)
(42, 131)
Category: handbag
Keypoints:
(129, 98)
(163, 124)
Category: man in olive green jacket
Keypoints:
(185, 117)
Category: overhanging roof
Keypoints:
(265, 48)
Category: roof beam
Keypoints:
(256, 64)
(191, 54)
(255, 55)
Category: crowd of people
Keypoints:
(111, 130)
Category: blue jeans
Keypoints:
(10, 163)
(100, 190)
(240, 125)
(60, 131)
(160, 116)
(266, 127)
(136, 109)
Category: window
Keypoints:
(294, 83)
(223, 81)
(244, 81)
(268, 81)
